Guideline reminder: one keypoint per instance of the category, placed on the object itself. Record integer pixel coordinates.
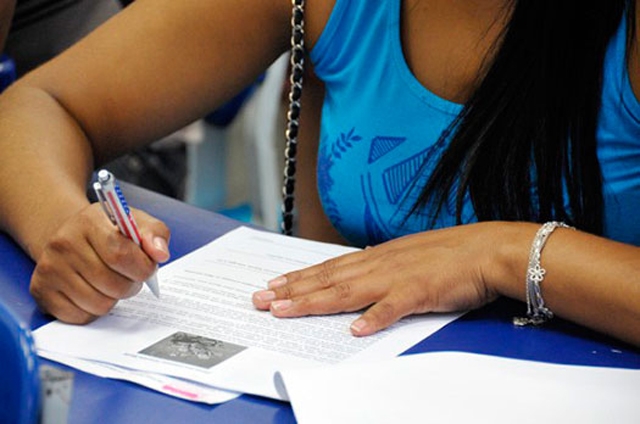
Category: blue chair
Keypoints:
(19, 370)
(8, 72)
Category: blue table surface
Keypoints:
(487, 330)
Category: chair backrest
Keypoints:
(7, 72)
(20, 380)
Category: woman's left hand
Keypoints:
(445, 270)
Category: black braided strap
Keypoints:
(293, 115)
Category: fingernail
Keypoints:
(281, 305)
(277, 282)
(358, 326)
(161, 244)
(265, 295)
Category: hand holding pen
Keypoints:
(117, 210)
(84, 266)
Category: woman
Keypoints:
(536, 140)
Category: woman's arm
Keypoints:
(154, 67)
(590, 280)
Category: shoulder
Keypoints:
(317, 15)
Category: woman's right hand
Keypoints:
(87, 265)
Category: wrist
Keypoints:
(39, 229)
(510, 261)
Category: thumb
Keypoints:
(156, 246)
(155, 237)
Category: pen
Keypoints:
(115, 207)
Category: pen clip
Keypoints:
(97, 187)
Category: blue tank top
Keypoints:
(380, 125)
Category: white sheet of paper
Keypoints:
(162, 383)
(205, 329)
(452, 387)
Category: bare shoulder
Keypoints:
(316, 16)
(206, 50)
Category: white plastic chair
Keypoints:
(206, 182)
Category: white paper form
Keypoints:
(161, 383)
(205, 329)
(451, 387)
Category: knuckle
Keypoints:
(123, 257)
(131, 290)
(36, 291)
(325, 276)
(162, 229)
(43, 269)
(114, 290)
(61, 244)
(308, 305)
(284, 292)
(303, 303)
(110, 284)
(119, 252)
(126, 290)
(342, 291)
(75, 316)
(103, 306)
(293, 276)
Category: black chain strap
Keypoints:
(293, 115)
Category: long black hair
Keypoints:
(524, 145)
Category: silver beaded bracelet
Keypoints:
(537, 312)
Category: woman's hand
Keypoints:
(445, 270)
(87, 265)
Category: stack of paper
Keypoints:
(203, 339)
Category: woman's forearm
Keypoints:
(589, 280)
(103, 97)
(44, 167)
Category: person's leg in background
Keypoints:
(6, 15)
(41, 29)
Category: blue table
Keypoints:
(487, 330)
